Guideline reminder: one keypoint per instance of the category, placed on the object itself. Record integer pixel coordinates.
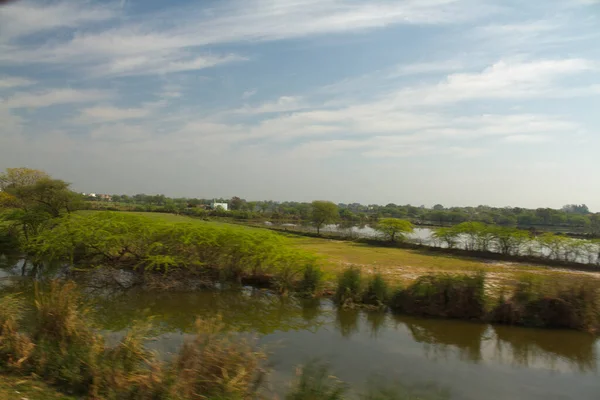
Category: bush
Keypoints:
(460, 296)
(312, 280)
(136, 242)
(349, 287)
(217, 365)
(540, 303)
(377, 292)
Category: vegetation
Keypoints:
(323, 212)
(64, 349)
(29, 199)
(475, 236)
(144, 244)
(394, 229)
(570, 217)
(550, 304)
(452, 296)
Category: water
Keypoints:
(468, 360)
(462, 360)
(422, 235)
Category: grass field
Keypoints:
(403, 265)
(19, 388)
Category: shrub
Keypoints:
(540, 303)
(460, 296)
(377, 292)
(15, 348)
(314, 382)
(217, 365)
(312, 280)
(349, 287)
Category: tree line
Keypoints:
(575, 216)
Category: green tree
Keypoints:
(30, 198)
(323, 212)
(394, 228)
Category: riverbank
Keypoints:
(181, 253)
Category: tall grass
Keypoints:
(64, 349)
(549, 304)
(349, 287)
(377, 291)
(453, 296)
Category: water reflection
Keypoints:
(440, 338)
(555, 350)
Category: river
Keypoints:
(447, 359)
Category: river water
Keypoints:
(446, 359)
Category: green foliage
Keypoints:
(549, 304)
(377, 292)
(323, 212)
(312, 280)
(349, 287)
(138, 242)
(314, 382)
(393, 228)
(443, 295)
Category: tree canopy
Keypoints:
(324, 212)
(394, 228)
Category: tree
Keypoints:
(31, 197)
(394, 228)
(236, 203)
(323, 212)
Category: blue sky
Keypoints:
(459, 102)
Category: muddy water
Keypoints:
(446, 359)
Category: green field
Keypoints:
(402, 265)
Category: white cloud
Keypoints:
(148, 47)
(502, 80)
(27, 17)
(109, 114)
(283, 104)
(7, 82)
(52, 97)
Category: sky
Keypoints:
(458, 102)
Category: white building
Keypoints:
(215, 205)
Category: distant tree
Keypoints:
(236, 203)
(576, 209)
(323, 212)
(394, 228)
(438, 207)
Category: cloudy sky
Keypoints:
(459, 102)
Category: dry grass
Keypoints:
(403, 266)
(18, 387)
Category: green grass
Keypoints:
(402, 266)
